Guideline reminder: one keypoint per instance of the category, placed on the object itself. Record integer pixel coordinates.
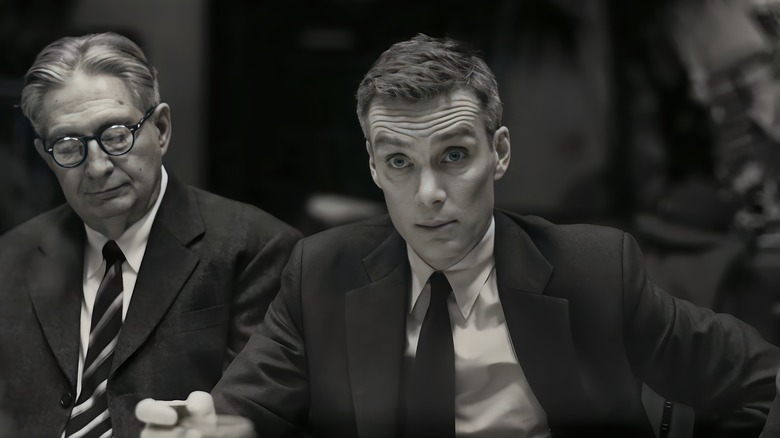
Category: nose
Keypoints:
(429, 190)
(98, 163)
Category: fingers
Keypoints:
(200, 404)
(201, 414)
(191, 418)
(156, 412)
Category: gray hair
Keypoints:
(423, 68)
(95, 54)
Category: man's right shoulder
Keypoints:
(29, 233)
(356, 238)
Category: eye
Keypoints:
(454, 155)
(398, 162)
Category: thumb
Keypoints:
(156, 412)
(202, 415)
(200, 404)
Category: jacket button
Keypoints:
(66, 400)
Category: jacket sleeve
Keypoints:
(268, 381)
(713, 362)
(772, 426)
(267, 248)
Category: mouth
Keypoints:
(106, 193)
(435, 224)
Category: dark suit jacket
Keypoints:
(586, 324)
(210, 270)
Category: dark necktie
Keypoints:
(90, 417)
(430, 390)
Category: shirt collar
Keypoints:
(466, 277)
(132, 242)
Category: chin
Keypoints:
(109, 211)
(442, 259)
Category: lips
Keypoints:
(435, 224)
(106, 193)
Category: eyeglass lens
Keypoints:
(116, 140)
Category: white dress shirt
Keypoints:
(133, 245)
(492, 395)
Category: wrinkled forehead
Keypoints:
(395, 117)
(85, 100)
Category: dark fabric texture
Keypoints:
(772, 426)
(429, 385)
(586, 324)
(210, 270)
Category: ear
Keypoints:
(502, 151)
(46, 157)
(162, 122)
(372, 164)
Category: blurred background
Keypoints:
(657, 116)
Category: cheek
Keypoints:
(398, 206)
(481, 183)
(141, 167)
(395, 188)
(387, 177)
(468, 191)
(69, 181)
(394, 202)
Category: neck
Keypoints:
(111, 228)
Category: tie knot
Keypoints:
(440, 286)
(112, 253)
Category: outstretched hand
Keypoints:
(191, 418)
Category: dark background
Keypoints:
(620, 112)
(262, 93)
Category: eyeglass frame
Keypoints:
(87, 138)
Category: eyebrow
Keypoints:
(384, 139)
(457, 132)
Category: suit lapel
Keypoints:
(538, 324)
(54, 278)
(166, 267)
(376, 334)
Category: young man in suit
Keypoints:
(105, 296)
(450, 318)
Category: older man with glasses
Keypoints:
(104, 297)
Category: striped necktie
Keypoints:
(90, 418)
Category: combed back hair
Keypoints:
(95, 54)
(423, 68)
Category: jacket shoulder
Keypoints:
(233, 216)
(572, 244)
(31, 230)
(566, 234)
(358, 238)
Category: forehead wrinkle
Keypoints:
(387, 139)
(418, 130)
(459, 129)
(85, 101)
(72, 120)
(429, 105)
(414, 115)
(415, 120)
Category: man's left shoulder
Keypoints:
(546, 234)
(224, 215)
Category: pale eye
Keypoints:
(398, 162)
(454, 155)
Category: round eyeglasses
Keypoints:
(115, 140)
